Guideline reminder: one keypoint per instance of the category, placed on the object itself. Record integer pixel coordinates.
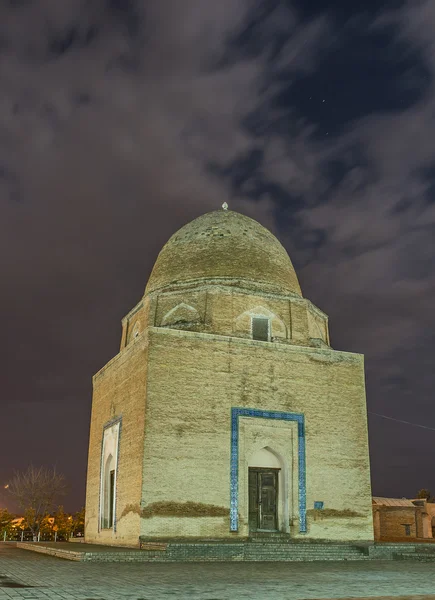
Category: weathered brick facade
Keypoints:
(400, 522)
(395, 518)
(188, 361)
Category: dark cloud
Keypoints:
(121, 121)
(71, 38)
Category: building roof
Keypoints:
(227, 247)
(392, 501)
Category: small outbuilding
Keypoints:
(403, 518)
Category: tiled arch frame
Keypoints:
(234, 469)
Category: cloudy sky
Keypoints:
(118, 124)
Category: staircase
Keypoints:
(280, 547)
(418, 552)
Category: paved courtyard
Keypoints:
(46, 577)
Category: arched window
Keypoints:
(261, 324)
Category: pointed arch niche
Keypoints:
(181, 314)
(262, 462)
(276, 327)
(108, 475)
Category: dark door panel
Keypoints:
(253, 500)
(263, 495)
(268, 487)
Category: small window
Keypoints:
(407, 529)
(260, 329)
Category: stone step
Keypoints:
(309, 549)
(290, 550)
(277, 553)
(298, 553)
(306, 558)
(418, 556)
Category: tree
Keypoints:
(36, 491)
(6, 524)
(46, 526)
(426, 495)
(63, 523)
(79, 522)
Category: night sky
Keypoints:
(120, 123)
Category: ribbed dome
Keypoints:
(228, 247)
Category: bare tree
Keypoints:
(36, 491)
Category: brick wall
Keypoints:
(193, 381)
(119, 391)
(399, 521)
(226, 311)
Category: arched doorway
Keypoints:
(266, 484)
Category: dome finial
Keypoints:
(225, 206)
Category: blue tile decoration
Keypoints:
(318, 505)
(234, 469)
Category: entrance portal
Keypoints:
(263, 499)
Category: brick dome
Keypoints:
(224, 247)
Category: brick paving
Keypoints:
(46, 577)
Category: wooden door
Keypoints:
(263, 499)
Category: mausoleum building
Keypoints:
(226, 412)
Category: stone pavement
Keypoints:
(44, 578)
